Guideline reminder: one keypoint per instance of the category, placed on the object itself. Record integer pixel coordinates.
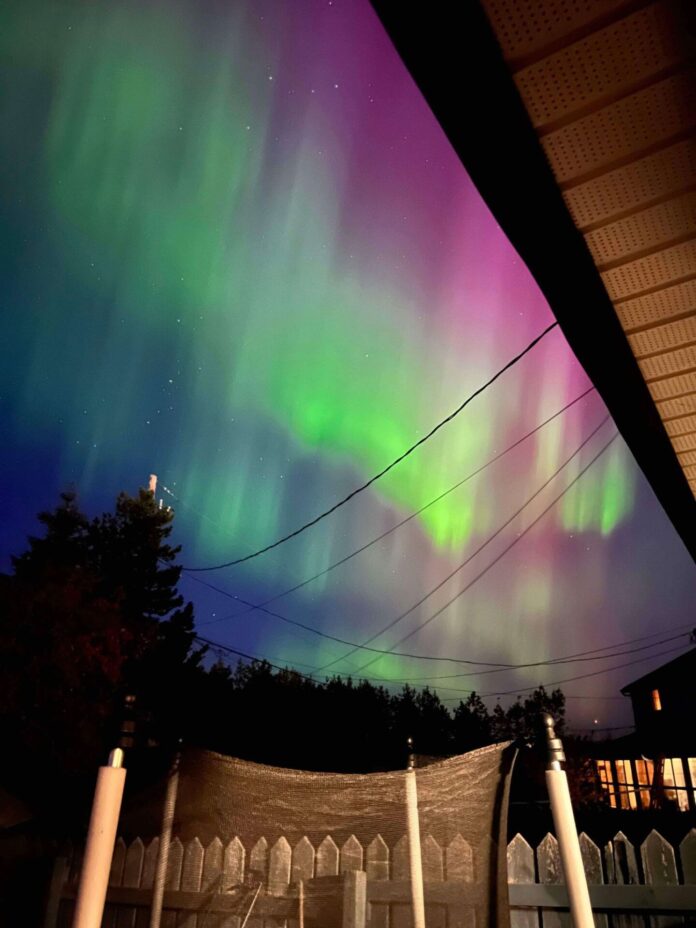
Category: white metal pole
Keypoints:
(566, 832)
(101, 836)
(414, 844)
(165, 842)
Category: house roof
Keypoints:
(685, 663)
(577, 123)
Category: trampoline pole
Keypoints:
(566, 832)
(414, 843)
(165, 840)
(101, 836)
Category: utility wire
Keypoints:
(423, 681)
(468, 560)
(454, 660)
(228, 649)
(365, 645)
(586, 676)
(343, 560)
(385, 470)
(550, 663)
(508, 667)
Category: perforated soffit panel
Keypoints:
(609, 87)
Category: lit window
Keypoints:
(674, 778)
(627, 792)
(656, 702)
(606, 781)
(644, 769)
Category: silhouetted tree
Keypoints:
(90, 613)
(471, 724)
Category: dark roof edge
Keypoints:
(659, 671)
(452, 54)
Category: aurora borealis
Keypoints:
(240, 253)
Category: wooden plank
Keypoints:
(303, 855)
(386, 891)
(61, 870)
(258, 873)
(610, 898)
(622, 868)
(279, 867)
(232, 876)
(401, 869)
(436, 916)
(521, 870)
(233, 865)
(483, 855)
(401, 909)
(211, 877)
(592, 863)
(433, 867)
(191, 873)
(150, 863)
(118, 861)
(132, 876)
(459, 860)
(615, 898)
(175, 860)
(354, 898)
(377, 867)
(551, 871)
(687, 854)
(378, 915)
(401, 914)
(142, 915)
(399, 891)
(351, 855)
(660, 869)
(258, 861)
(327, 857)
(211, 881)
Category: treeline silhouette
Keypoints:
(283, 718)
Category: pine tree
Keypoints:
(472, 724)
(91, 613)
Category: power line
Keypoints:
(379, 651)
(385, 470)
(348, 557)
(422, 657)
(440, 658)
(586, 676)
(544, 664)
(228, 649)
(550, 663)
(490, 538)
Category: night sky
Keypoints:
(239, 252)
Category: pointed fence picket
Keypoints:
(652, 885)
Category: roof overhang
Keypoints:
(634, 340)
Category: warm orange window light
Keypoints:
(657, 703)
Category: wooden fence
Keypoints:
(352, 886)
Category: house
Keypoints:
(663, 704)
(655, 766)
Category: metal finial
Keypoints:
(555, 745)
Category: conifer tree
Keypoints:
(90, 613)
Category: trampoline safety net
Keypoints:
(243, 845)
